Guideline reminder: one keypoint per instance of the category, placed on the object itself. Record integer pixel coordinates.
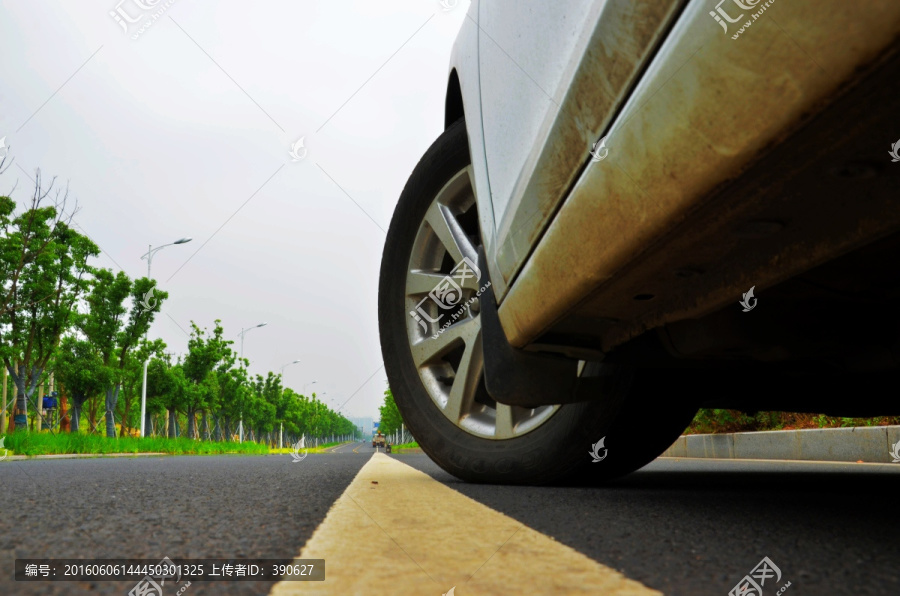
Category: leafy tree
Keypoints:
(132, 381)
(267, 407)
(80, 369)
(205, 352)
(113, 330)
(160, 386)
(46, 264)
(390, 414)
(232, 389)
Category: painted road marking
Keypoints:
(335, 448)
(396, 530)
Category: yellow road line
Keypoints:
(396, 530)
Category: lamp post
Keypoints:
(307, 385)
(287, 365)
(149, 256)
(241, 423)
(281, 426)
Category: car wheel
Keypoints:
(434, 361)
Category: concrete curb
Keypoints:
(75, 455)
(867, 444)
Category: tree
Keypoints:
(80, 369)
(390, 414)
(267, 409)
(231, 383)
(205, 352)
(112, 332)
(160, 385)
(132, 380)
(47, 264)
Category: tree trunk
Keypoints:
(192, 424)
(171, 421)
(76, 413)
(112, 397)
(125, 426)
(148, 423)
(204, 422)
(25, 386)
(63, 410)
(92, 414)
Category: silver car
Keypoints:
(640, 209)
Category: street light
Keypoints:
(307, 385)
(287, 365)
(242, 334)
(149, 256)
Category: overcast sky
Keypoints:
(186, 131)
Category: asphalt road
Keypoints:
(154, 507)
(698, 526)
(679, 526)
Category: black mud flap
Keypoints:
(528, 379)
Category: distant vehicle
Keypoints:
(579, 255)
(378, 440)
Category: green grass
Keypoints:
(412, 445)
(27, 443)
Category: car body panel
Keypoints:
(525, 50)
(708, 108)
(464, 65)
(551, 83)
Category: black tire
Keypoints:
(558, 449)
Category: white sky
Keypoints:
(171, 135)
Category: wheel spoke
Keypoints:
(444, 223)
(504, 428)
(427, 349)
(450, 361)
(419, 283)
(468, 376)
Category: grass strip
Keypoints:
(28, 443)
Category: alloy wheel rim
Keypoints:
(443, 320)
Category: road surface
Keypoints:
(398, 524)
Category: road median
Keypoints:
(872, 444)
